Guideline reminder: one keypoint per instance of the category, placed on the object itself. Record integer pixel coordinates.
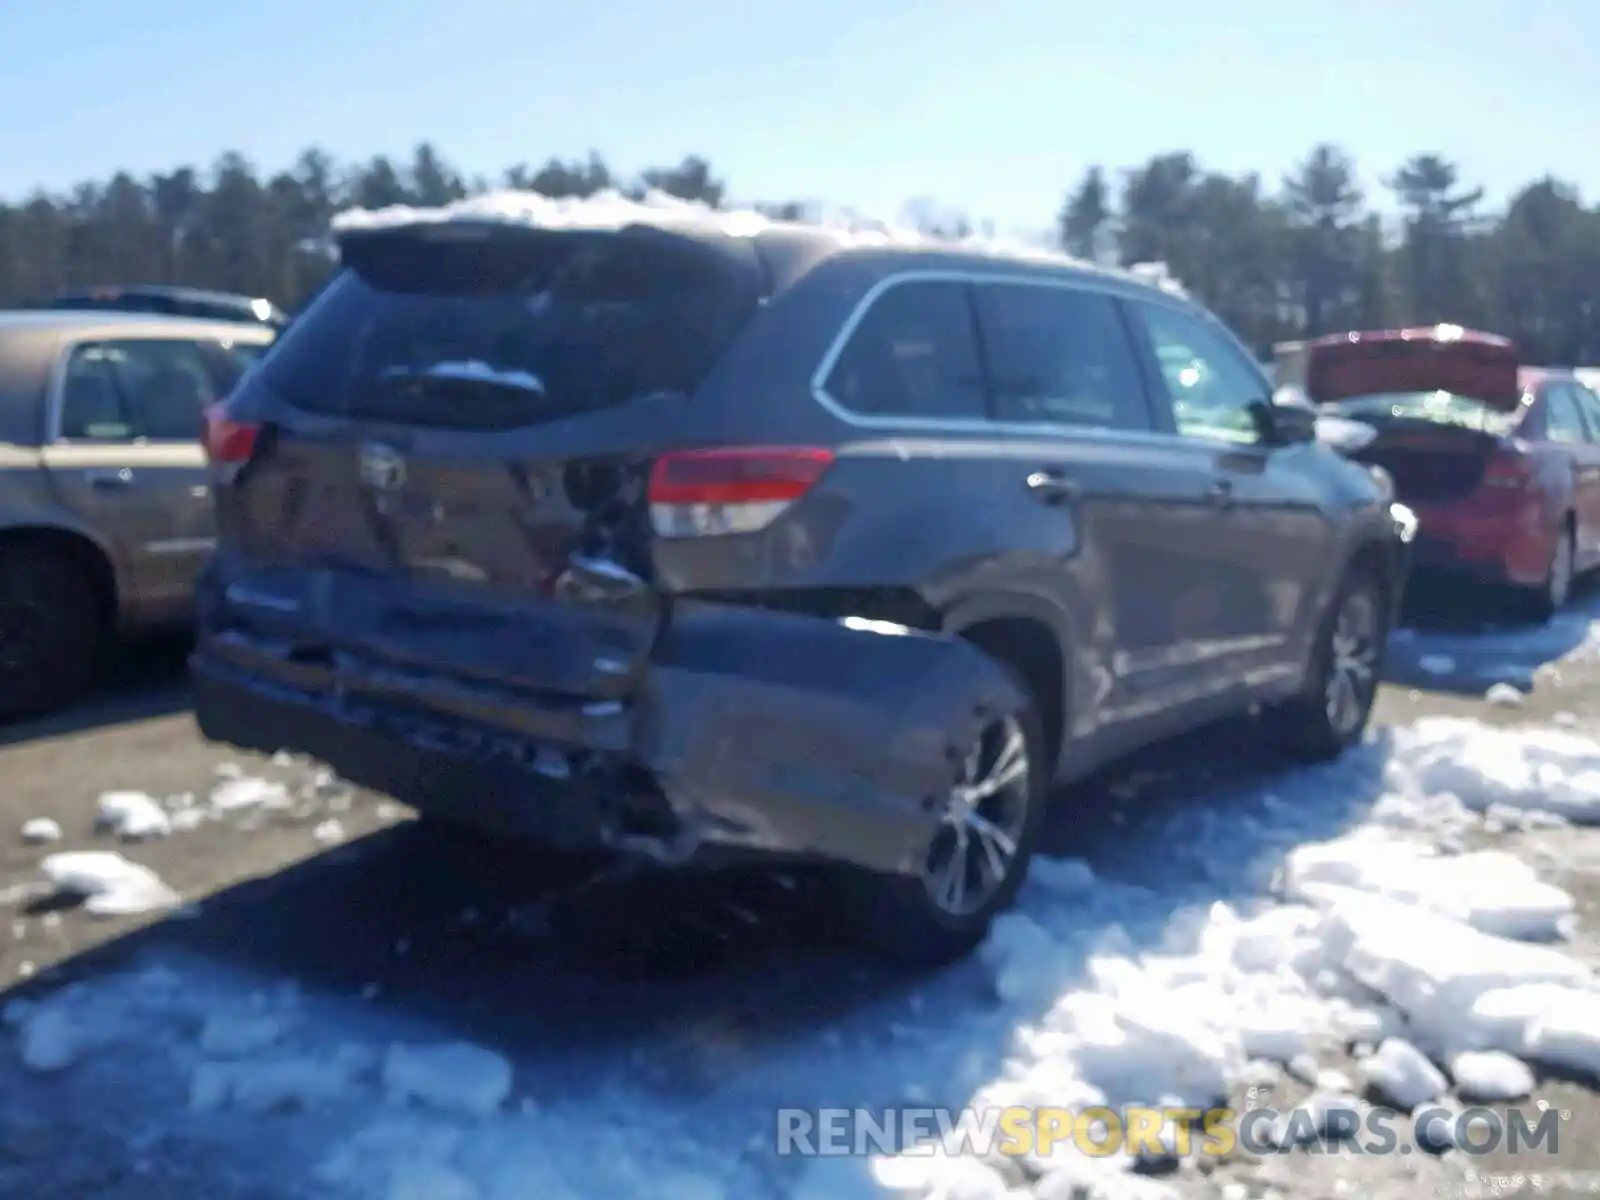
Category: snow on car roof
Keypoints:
(610, 209)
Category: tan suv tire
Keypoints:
(49, 630)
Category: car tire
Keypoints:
(901, 916)
(50, 630)
(1543, 602)
(1332, 714)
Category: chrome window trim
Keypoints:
(1045, 429)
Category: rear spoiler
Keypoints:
(1444, 358)
(490, 255)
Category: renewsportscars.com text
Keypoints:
(1215, 1132)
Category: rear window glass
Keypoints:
(534, 336)
(1441, 408)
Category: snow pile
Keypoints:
(1403, 1075)
(51, 1040)
(110, 885)
(132, 815)
(612, 210)
(453, 1076)
(76, 1021)
(282, 1084)
(1488, 889)
(236, 792)
(1377, 939)
(1504, 695)
(1487, 1076)
(137, 816)
(1533, 769)
(233, 1035)
(41, 829)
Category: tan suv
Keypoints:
(105, 511)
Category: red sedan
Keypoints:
(1501, 463)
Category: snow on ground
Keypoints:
(110, 885)
(41, 829)
(136, 816)
(1484, 657)
(1218, 943)
(1441, 964)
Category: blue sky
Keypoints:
(993, 106)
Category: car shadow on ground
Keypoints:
(683, 986)
(138, 680)
(1464, 641)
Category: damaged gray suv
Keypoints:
(699, 543)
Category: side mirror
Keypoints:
(1287, 422)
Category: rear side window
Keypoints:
(1562, 420)
(914, 354)
(532, 330)
(1060, 355)
(135, 388)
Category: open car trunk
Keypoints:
(1430, 463)
(1440, 404)
(455, 438)
(1477, 367)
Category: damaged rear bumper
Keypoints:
(754, 733)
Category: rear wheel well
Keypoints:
(1371, 559)
(1029, 647)
(78, 549)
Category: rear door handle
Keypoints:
(105, 479)
(1220, 491)
(1052, 487)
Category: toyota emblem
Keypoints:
(382, 467)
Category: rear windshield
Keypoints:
(415, 337)
(1440, 408)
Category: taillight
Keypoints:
(1508, 470)
(228, 442)
(702, 493)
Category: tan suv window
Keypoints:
(135, 389)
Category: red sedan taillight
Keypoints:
(1508, 470)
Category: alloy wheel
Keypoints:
(1352, 678)
(975, 848)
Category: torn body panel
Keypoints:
(752, 733)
